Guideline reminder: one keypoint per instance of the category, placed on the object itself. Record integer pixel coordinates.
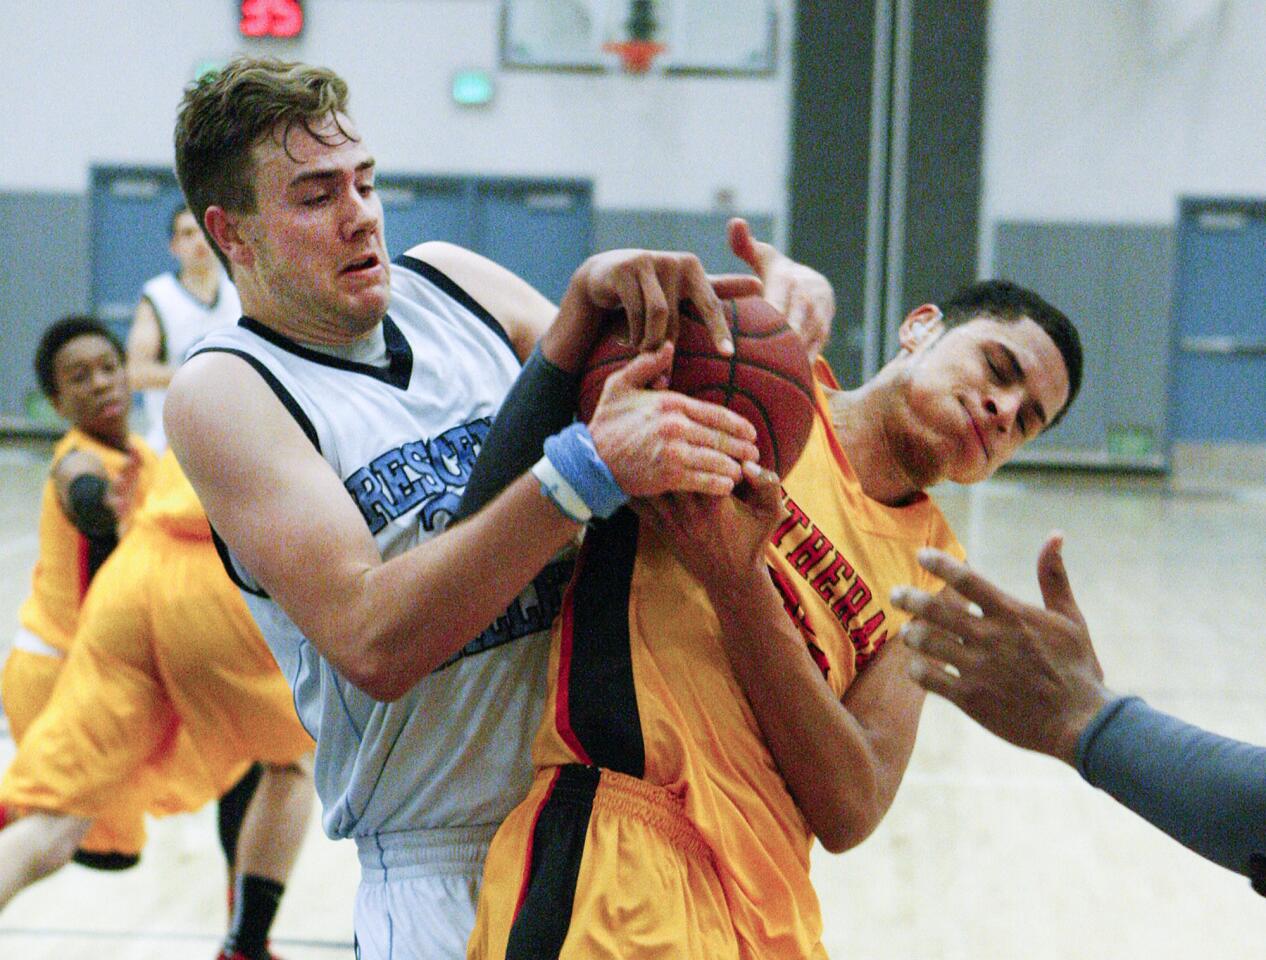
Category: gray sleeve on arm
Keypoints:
(1207, 792)
(541, 402)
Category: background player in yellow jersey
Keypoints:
(167, 696)
(99, 472)
(722, 688)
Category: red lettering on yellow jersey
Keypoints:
(797, 614)
(837, 582)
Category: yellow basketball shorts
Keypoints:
(26, 689)
(167, 696)
(597, 864)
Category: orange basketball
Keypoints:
(768, 379)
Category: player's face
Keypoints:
(92, 390)
(316, 238)
(188, 245)
(976, 394)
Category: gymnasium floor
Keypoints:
(988, 853)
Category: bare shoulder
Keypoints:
(223, 420)
(519, 307)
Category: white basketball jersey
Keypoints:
(455, 750)
(184, 320)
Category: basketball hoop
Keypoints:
(635, 55)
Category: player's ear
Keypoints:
(226, 232)
(921, 326)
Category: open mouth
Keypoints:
(367, 263)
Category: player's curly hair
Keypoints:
(57, 336)
(1009, 302)
(226, 112)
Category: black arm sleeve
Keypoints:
(92, 517)
(541, 402)
(1207, 792)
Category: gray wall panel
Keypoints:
(700, 233)
(43, 275)
(1115, 282)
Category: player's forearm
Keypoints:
(396, 622)
(822, 751)
(1206, 791)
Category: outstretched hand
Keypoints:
(1028, 674)
(655, 441)
(800, 293)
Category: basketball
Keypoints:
(768, 379)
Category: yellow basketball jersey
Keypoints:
(640, 683)
(61, 572)
(172, 504)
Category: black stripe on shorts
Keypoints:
(558, 842)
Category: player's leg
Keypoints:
(236, 707)
(272, 832)
(34, 846)
(87, 753)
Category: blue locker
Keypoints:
(1218, 391)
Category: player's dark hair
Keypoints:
(1011, 303)
(61, 333)
(226, 112)
(180, 208)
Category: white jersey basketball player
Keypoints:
(175, 311)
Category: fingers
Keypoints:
(657, 322)
(1052, 578)
(709, 443)
(762, 493)
(718, 418)
(732, 286)
(641, 372)
(932, 677)
(963, 579)
(697, 288)
(746, 247)
(931, 641)
(945, 611)
(739, 235)
(654, 287)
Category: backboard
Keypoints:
(699, 36)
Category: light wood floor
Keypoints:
(987, 853)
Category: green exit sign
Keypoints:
(472, 88)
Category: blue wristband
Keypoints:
(574, 456)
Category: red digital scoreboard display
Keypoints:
(270, 18)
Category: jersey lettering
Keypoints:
(426, 474)
(836, 581)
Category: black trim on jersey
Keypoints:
(162, 329)
(305, 424)
(450, 287)
(226, 560)
(558, 843)
(399, 354)
(601, 695)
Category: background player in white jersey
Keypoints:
(356, 376)
(174, 312)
